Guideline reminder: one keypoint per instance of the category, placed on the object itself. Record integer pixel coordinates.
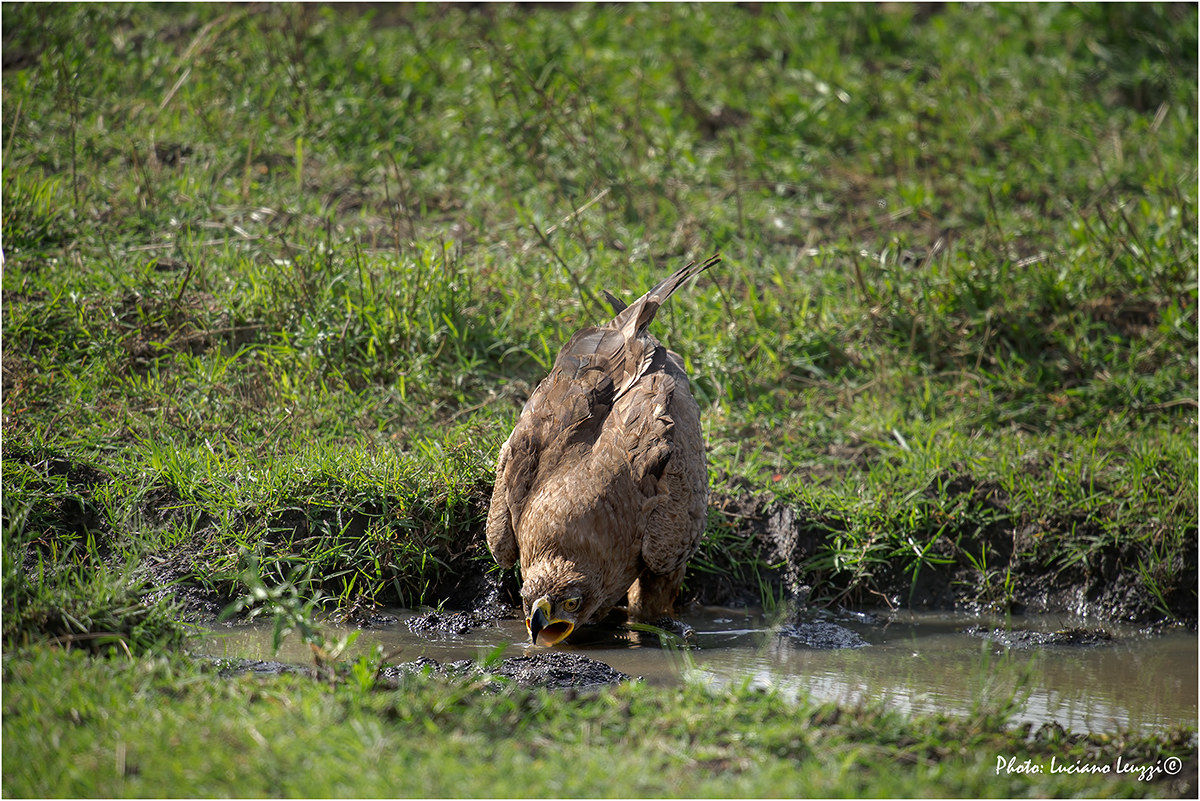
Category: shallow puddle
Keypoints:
(922, 662)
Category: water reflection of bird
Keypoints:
(601, 488)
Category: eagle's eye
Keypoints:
(570, 605)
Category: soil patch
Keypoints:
(172, 576)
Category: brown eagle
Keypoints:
(602, 487)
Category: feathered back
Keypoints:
(567, 411)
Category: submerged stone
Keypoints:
(229, 668)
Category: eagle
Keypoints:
(602, 488)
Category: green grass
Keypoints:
(107, 722)
(278, 279)
(265, 306)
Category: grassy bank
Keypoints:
(277, 280)
(108, 722)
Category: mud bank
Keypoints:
(552, 670)
(759, 544)
(1105, 584)
(781, 542)
(1023, 639)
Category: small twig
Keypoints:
(1029, 261)
(192, 50)
(140, 166)
(405, 202)
(1159, 116)
(875, 225)
(12, 132)
(246, 168)
(987, 336)
(193, 47)
(469, 409)
(862, 282)
(207, 243)
(735, 329)
(736, 163)
(187, 276)
(599, 196)
(64, 639)
(583, 290)
(991, 199)
(1177, 402)
(175, 88)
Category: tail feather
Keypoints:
(633, 320)
(616, 303)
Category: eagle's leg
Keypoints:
(652, 596)
(651, 600)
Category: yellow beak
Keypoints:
(544, 628)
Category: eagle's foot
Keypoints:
(666, 630)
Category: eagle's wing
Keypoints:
(560, 421)
(662, 426)
(634, 320)
(596, 369)
(501, 538)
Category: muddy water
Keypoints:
(917, 662)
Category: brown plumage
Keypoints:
(601, 488)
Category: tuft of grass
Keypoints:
(72, 599)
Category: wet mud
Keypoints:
(484, 600)
(560, 670)
(822, 634)
(452, 624)
(553, 670)
(1023, 639)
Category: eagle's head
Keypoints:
(558, 598)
